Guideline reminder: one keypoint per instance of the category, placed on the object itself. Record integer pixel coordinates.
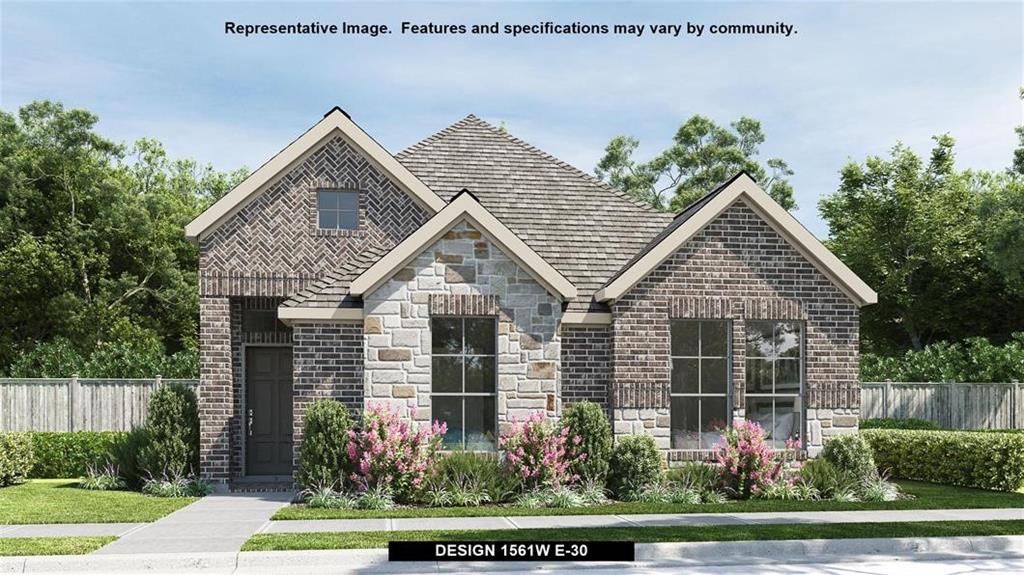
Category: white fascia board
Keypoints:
(320, 314)
(334, 122)
(463, 207)
(744, 188)
(586, 318)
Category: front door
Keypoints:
(268, 411)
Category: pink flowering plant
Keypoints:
(541, 453)
(390, 452)
(747, 462)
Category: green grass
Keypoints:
(59, 501)
(51, 545)
(926, 496)
(372, 539)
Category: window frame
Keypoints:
(774, 395)
(318, 211)
(463, 394)
(729, 388)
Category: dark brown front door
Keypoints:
(268, 411)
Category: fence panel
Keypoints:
(951, 405)
(77, 404)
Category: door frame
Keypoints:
(243, 400)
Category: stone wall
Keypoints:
(737, 268)
(463, 274)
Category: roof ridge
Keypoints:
(439, 135)
(563, 164)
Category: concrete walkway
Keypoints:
(660, 520)
(215, 523)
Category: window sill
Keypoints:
(358, 233)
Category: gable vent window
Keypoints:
(337, 209)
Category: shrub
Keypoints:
(822, 476)
(974, 360)
(389, 454)
(172, 432)
(15, 457)
(965, 458)
(634, 466)
(178, 486)
(322, 457)
(541, 453)
(659, 493)
(879, 488)
(746, 460)
(70, 454)
(851, 456)
(105, 478)
(378, 498)
(892, 423)
(124, 453)
(476, 472)
(588, 421)
(695, 475)
(326, 498)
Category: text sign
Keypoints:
(511, 551)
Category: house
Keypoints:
(473, 278)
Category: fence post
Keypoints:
(1014, 403)
(158, 381)
(887, 398)
(74, 388)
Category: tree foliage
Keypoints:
(94, 268)
(702, 155)
(915, 232)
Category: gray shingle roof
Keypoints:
(332, 289)
(584, 228)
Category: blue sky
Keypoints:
(854, 80)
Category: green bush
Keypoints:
(322, 457)
(465, 473)
(172, 429)
(822, 476)
(974, 360)
(15, 457)
(965, 458)
(60, 454)
(700, 477)
(635, 465)
(851, 455)
(124, 453)
(588, 421)
(893, 423)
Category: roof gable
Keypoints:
(693, 219)
(335, 121)
(464, 207)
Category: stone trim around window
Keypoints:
(328, 185)
(464, 304)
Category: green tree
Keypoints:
(702, 155)
(92, 255)
(912, 231)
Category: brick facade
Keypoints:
(737, 268)
(586, 364)
(216, 396)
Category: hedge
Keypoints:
(15, 457)
(69, 454)
(894, 423)
(965, 458)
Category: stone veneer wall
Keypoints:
(463, 274)
(586, 364)
(328, 359)
(738, 268)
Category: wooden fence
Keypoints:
(951, 405)
(76, 404)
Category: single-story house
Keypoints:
(475, 279)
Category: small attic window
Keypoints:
(337, 209)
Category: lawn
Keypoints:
(59, 501)
(926, 496)
(51, 545)
(371, 539)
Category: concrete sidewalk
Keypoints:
(215, 523)
(660, 520)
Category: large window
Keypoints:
(464, 380)
(700, 382)
(337, 209)
(775, 377)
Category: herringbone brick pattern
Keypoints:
(273, 247)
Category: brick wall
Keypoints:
(328, 361)
(738, 268)
(216, 396)
(586, 364)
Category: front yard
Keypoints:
(376, 539)
(19, 546)
(925, 496)
(60, 501)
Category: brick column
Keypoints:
(216, 397)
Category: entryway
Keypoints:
(268, 411)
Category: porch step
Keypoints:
(261, 487)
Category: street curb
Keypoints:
(647, 555)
